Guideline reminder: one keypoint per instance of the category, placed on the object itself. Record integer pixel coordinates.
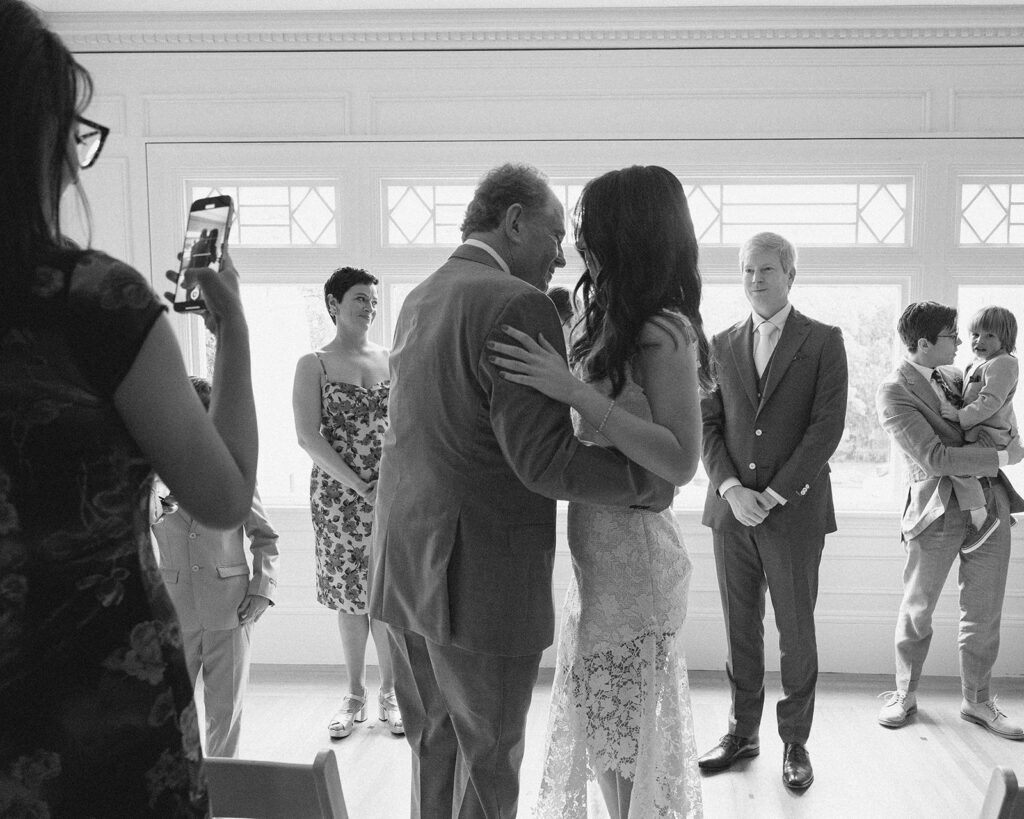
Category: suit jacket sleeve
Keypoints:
(998, 381)
(825, 430)
(263, 544)
(536, 436)
(903, 420)
(714, 454)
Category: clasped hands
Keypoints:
(749, 506)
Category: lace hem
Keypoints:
(625, 708)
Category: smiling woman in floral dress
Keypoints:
(340, 401)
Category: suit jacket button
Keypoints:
(192, 536)
(757, 432)
(195, 568)
(752, 466)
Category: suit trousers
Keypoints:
(982, 582)
(465, 721)
(223, 655)
(750, 560)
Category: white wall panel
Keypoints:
(988, 112)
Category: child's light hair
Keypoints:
(1000, 322)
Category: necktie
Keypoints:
(763, 345)
(950, 394)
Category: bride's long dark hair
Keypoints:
(636, 224)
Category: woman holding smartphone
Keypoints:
(340, 401)
(96, 710)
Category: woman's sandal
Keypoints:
(353, 710)
(387, 711)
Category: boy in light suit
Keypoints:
(217, 601)
(909, 407)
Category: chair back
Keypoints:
(251, 789)
(1002, 799)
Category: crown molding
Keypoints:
(548, 28)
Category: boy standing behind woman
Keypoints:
(217, 601)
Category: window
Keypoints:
(277, 215)
(862, 251)
(807, 213)
(422, 212)
(992, 212)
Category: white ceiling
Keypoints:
(136, 6)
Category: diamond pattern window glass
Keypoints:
(808, 213)
(420, 212)
(992, 211)
(279, 215)
(831, 213)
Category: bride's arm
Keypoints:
(669, 446)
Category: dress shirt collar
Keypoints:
(779, 319)
(926, 372)
(484, 246)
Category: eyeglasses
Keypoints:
(89, 141)
(954, 336)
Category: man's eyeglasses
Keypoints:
(89, 139)
(954, 336)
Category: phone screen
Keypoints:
(205, 236)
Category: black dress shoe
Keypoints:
(796, 766)
(728, 750)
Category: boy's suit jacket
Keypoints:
(205, 570)
(988, 399)
(932, 447)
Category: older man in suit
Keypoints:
(465, 524)
(909, 407)
(770, 426)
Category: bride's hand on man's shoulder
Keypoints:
(537, 364)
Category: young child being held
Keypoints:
(990, 382)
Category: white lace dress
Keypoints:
(621, 697)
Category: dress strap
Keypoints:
(323, 369)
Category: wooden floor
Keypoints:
(936, 766)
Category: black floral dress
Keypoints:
(353, 419)
(96, 710)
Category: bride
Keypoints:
(620, 705)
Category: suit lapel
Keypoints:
(792, 338)
(919, 386)
(739, 341)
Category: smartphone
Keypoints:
(206, 234)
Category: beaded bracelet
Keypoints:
(604, 420)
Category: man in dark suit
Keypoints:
(770, 426)
(933, 525)
(465, 523)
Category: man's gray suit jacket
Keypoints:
(784, 436)
(464, 535)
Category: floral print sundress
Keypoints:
(353, 419)
(96, 710)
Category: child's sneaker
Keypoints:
(974, 536)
